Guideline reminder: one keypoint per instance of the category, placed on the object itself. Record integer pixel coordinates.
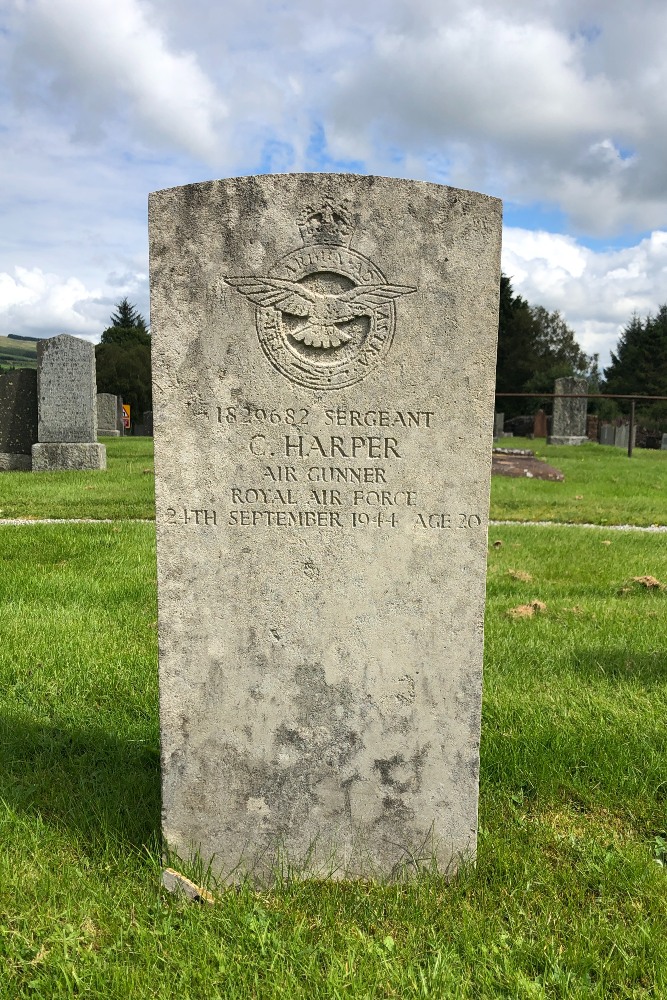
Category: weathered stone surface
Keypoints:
(66, 390)
(67, 407)
(107, 415)
(323, 366)
(18, 411)
(53, 457)
(569, 417)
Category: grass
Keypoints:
(601, 486)
(569, 895)
(125, 490)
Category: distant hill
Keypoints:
(17, 352)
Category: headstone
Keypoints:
(607, 434)
(540, 424)
(322, 476)
(67, 411)
(144, 428)
(498, 424)
(107, 415)
(622, 435)
(592, 427)
(18, 419)
(663, 443)
(569, 416)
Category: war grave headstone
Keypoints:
(540, 424)
(323, 389)
(107, 415)
(498, 424)
(67, 410)
(663, 443)
(569, 415)
(18, 419)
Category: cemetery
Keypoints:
(247, 745)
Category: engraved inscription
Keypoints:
(325, 314)
(301, 475)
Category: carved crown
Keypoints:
(326, 222)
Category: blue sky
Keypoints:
(556, 107)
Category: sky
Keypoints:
(556, 106)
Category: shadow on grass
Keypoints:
(620, 667)
(86, 780)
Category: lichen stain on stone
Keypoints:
(400, 775)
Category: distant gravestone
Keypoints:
(145, 427)
(18, 419)
(540, 424)
(322, 477)
(107, 415)
(607, 434)
(569, 415)
(67, 411)
(663, 443)
(622, 435)
(498, 424)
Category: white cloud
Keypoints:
(107, 62)
(596, 292)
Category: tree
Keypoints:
(123, 358)
(535, 347)
(639, 364)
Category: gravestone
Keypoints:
(18, 419)
(145, 427)
(569, 415)
(66, 407)
(498, 424)
(663, 443)
(540, 424)
(607, 434)
(622, 435)
(107, 415)
(323, 389)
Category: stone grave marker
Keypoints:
(18, 419)
(663, 443)
(622, 435)
(540, 424)
(607, 434)
(67, 410)
(323, 371)
(498, 424)
(107, 415)
(568, 424)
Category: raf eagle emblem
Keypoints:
(323, 312)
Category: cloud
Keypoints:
(596, 292)
(35, 303)
(107, 65)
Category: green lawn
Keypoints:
(601, 486)
(569, 895)
(125, 490)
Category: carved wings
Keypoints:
(322, 311)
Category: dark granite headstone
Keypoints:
(18, 418)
